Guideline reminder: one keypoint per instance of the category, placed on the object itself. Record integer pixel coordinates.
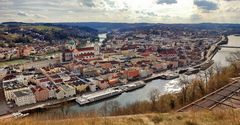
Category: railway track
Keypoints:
(225, 97)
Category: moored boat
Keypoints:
(192, 71)
(133, 86)
(181, 71)
(206, 65)
(169, 76)
(93, 97)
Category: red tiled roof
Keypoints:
(68, 51)
(90, 59)
(127, 47)
(167, 51)
(37, 88)
(10, 76)
(145, 54)
(106, 65)
(58, 81)
(44, 80)
(55, 76)
(86, 49)
(132, 73)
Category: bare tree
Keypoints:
(110, 107)
(217, 68)
(208, 74)
(184, 82)
(154, 97)
(113, 107)
(235, 57)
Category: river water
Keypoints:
(164, 86)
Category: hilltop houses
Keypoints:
(72, 53)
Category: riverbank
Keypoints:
(186, 118)
(51, 103)
(132, 95)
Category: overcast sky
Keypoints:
(132, 11)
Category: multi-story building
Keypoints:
(167, 53)
(11, 87)
(72, 53)
(24, 97)
(52, 90)
(41, 94)
(67, 89)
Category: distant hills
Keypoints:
(26, 32)
(108, 27)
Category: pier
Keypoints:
(153, 77)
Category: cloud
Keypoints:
(195, 17)
(161, 11)
(206, 5)
(144, 13)
(40, 16)
(230, 0)
(166, 1)
(87, 3)
(233, 9)
(21, 13)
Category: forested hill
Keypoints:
(17, 32)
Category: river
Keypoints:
(164, 86)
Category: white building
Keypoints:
(11, 87)
(60, 94)
(72, 53)
(24, 97)
(3, 73)
(64, 76)
(52, 90)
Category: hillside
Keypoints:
(222, 117)
(11, 32)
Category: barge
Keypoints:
(169, 76)
(133, 86)
(93, 97)
(192, 71)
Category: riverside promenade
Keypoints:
(212, 51)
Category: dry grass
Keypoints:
(220, 117)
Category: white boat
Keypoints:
(96, 96)
(192, 71)
(82, 100)
(19, 115)
(133, 86)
